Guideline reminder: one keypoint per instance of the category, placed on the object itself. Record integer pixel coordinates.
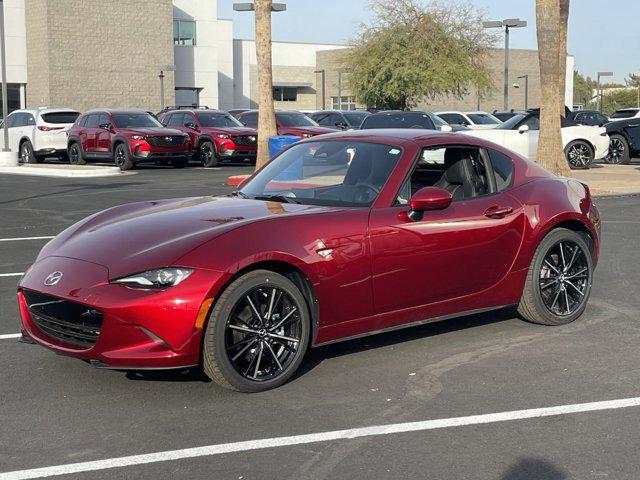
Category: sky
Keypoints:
(603, 35)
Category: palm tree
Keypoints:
(549, 32)
(266, 113)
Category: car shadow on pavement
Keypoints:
(317, 355)
(534, 468)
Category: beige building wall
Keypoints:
(521, 62)
(109, 58)
(306, 97)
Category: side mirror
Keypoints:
(523, 128)
(105, 126)
(342, 125)
(191, 125)
(428, 198)
(446, 128)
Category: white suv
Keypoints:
(38, 133)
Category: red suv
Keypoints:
(127, 137)
(289, 122)
(213, 135)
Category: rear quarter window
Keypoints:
(502, 168)
(60, 117)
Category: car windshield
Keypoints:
(355, 119)
(331, 173)
(624, 114)
(295, 119)
(217, 120)
(134, 120)
(483, 119)
(512, 122)
(398, 120)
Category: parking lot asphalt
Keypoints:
(56, 410)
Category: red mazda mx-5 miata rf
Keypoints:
(343, 235)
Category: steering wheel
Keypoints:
(365, 192)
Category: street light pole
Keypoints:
(507, 23)
(602, 74)
(161, 77)
(323, 72)
(5, 96)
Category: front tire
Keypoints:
(257, 333)
(618, 151)
(207, 154)
(579, 155)
(558, 283)
(122, 158)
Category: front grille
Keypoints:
(67, 321)
(167, 141)
(248, 140)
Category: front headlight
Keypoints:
(222, 135)
(159, 278)
(138, 137)
(307, 135)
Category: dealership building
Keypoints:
(131, 54)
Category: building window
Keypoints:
(343, 103)
(285, 94)
(184, 32)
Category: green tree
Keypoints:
(634, 81)
(413, 51)
(583, 88)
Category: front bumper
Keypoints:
(140, 329)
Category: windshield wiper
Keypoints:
(276, 198)
(238, 193)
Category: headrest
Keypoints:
(455, 164)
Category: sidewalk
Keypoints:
(610, 179)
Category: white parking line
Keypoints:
(7, 336)
(17, 274)
(19, 239)
(223, 448)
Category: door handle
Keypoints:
(497, 211)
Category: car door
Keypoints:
(103, 134)
(90, 130)
(524, 142)
(449, 254)
(14, 124)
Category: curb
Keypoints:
(236, 180)
(67, 171)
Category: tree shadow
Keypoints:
(534, 468)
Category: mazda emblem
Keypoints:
(53, 278)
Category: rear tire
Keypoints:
(27, 155)
(618, 151)
(122, 157)
(579, 155)
(269, 330)
(559, 279)
(75, 155)
(207, 154)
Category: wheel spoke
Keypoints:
(255, 372)
(283, 337)
(566, 300)
(551, 266)
(273, 354)
(270, 310)
(254, 309)
(580, 292)
(573, 257)
(564, 263)
(246, 347)
(284, 319)
(575, 275)
(555, 299)
(548, 284)
(243, 329)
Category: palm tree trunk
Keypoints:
(550, 151)
(564, 21)
(266, 113)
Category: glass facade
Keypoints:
(13, 94)
(184, 32)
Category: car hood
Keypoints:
(231, 130)
(151, 131)
(310, 130)
(140, 236)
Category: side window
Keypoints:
(12, 120)
(458, 169)
(502, 169)
(249, 119)
(82, 121)
(103, 119)
(322, 118)
(188, 118)
(533, 122)
(29, 119)
(452, 118)
(175, 120)
(92, 121)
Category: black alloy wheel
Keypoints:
(564, 278)
(121, 157)
(618, 151)
(257, 333)
(207, 154)
(579, 155)
(75, 155)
